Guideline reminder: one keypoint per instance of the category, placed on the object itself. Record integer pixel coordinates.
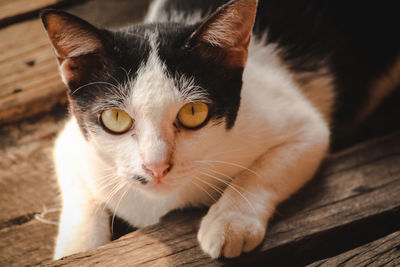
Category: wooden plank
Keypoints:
(14, 11)
(27, 244)
(28, 189)
(27, 183)
(341, 196)
(382, 252)
(29, 80)
(10, 8)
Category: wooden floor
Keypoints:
(349, 214)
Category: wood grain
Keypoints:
(353, 185)
(10, 8)
(349, 214)
(382, 252)
(27, 183)
(341, 195)
(28, 189)
(27, 244)
(29, 80)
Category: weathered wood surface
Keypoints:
(29, 79)
(29, 84)
(13, 11)
(17, 7)
(26, 171)
(27, 244)
(382, 252)
(353, 200)
(27, 189)
(350, 213)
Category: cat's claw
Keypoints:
(229, 233)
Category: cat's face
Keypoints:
(154, 101)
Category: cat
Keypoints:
(227, 104)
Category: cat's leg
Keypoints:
(84, 224)
(237, 221)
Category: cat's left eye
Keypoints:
(116, 121)
(193, 115)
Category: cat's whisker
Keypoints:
(101, 189)
(230, 179)
(92, 83)
(103, 185)
(114, 193)
(116, 208)
(128, 78)
(115, 91)
(232, 164)
(115, 80)
(225, 152)
(106, 169)
(214, 187)
(204, 190)
(108, 176)
(231, 186)
(104, 203)
(111, 194)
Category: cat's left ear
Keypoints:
(80, 47)
(226, 33)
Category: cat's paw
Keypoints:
(229, 233)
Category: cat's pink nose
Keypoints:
(157, 170)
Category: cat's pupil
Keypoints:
(117, 115)
(192, 110)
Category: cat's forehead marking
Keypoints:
(155, 89)
(152, 88)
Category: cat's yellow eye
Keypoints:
(192, 115)
(116, 121)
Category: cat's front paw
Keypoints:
(229, 233)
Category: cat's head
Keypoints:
(155, 99)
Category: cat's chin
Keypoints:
(160, 189)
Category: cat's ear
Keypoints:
(227, 32)
(70, 35)
(78, 45)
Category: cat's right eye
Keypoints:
(116, 121)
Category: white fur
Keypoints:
(293, 138)
(277, 143)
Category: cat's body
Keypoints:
(267, 129)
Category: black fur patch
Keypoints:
(119, 227)
(129, 48)
(356, 42)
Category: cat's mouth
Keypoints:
(152, 186)
(141, 179)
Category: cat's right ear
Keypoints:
(225, 34)
(78, 45)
